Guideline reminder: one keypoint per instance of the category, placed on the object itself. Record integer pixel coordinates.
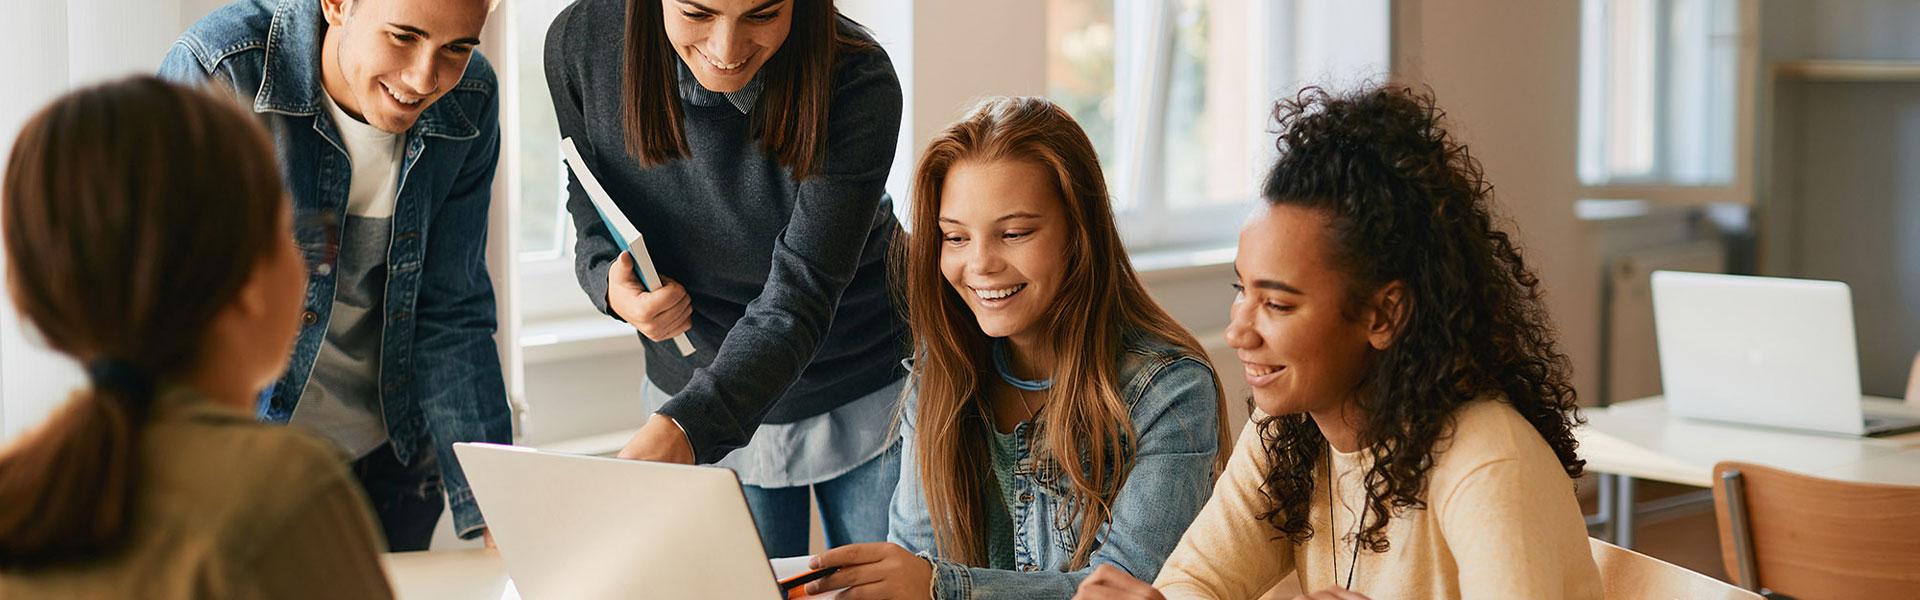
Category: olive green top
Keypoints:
(227, 507)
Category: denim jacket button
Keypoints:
(310, 318)
(323, 270)
(1026, 497)
(1029, 567)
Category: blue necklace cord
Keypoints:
(1006, 372)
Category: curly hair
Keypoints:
(1407, 203)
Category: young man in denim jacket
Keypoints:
(386, 122)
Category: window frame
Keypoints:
(1148, 218)
(1659, 187)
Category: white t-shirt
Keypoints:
(342, 399)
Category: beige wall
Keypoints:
(1508, 75)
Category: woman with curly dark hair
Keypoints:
(1395, 340)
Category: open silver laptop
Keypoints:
(583, 527)
(1763, 351)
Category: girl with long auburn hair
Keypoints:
(750, 142)
(147, 236)
(1417, 438)
(1061, 418)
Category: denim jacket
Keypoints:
(440, 378)
(1175, 418)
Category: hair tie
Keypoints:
(117, 375)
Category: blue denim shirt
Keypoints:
(440, 375)
(1175, 418)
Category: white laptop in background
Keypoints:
(584, 527)
(1763, 351)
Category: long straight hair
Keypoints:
(1086, 432)
(790, 118)
(134, 212)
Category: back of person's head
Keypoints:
(1100, 300)
(135, 213)
(1406, 203)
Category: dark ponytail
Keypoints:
(133, 213)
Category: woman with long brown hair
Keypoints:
(749, 141)
(1061, 419)
(147, 237)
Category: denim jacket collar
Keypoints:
(291, 80)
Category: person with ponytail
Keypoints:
(1061, 419)
(1415, 429)
(146, 237)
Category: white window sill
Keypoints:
(1185, 260)
(588, 333)
(582, 335)
(602, 444)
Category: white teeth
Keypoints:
(1253, 371)
(999, 293)
(403, 99)
(717, 64)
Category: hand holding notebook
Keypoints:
(625, 235)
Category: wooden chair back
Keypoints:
(1812, 538)
(1628, 574)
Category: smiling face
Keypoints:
(385, 61)
(1305, 348)
(1003, 244)
(725, 42)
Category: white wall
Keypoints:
(1507, 74)
(53, 46)
(41, 26)
(1844, 200)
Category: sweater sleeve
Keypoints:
(1229, 552)
(814, 259)
(1522, 517)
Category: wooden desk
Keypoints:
(1641, 439)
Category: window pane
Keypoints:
(1080, 69)
(1176, 94)
(1657, 91)
(543, 227)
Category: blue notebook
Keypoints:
(625, 235)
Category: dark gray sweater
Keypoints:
(791, 311)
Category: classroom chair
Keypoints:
(1628, 574)
(1811, 538)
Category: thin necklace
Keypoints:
(1335, 545)
(1020, 386)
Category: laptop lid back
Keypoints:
(589, 527)
(1758, 350)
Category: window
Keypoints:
(543, 232)
(1664, 99)
(1176, 96)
